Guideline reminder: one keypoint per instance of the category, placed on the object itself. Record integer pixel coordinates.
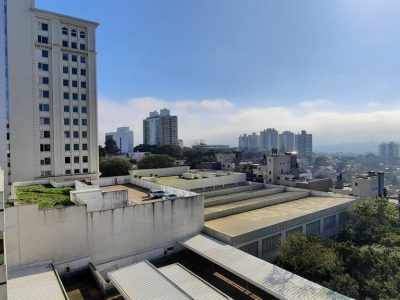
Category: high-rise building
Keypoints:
(3, 266)
(253, 141)
(286, 141)
(243, 142)
(303, 143)
(124, 139)
(269, 139)
(389, 150)
(160, 128)
(50, 93)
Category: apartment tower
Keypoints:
(160, 128)
(124, 139)
(303, 143)
(50, 82)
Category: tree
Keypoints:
(156, 161)
(171, 150)
(111, 147)
(114, 167)
(102, 151)
(144, 148)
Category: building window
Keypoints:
(45, 134)
(76, 146)
(73, 45)
(75, 122)
(83, 84)
(67, 147)
(84, 159)
(44, 67)
(43, 39)
(76, 171)
(45, 80)
(66, 121)
(84, 122)
(75, 109)
(67, 134)
(65, 56)
(76, 134)
(45, 53)
(65, 70)
(76, 159)
(85, 171)
(84, 109)
(74, 71)
(82, 46)
(66, 96)
(82, 34)
(65, 30)
(84, 134)
(73, 32)
(83, 72)
(65, 44)
(74, 83)
(83, 97)
(84, 146)
(44, 107)
(67, 160)
(83, 59)
(67, 172)
(45, 27)
(65, 82)
(45, 161)
(44, 147)
(74, 96)
(74, 58)
(45, 94)
(44, 121)
(66, 108)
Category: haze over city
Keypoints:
(331, 68)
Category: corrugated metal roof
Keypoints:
(191, 283)
(266, 276)
(34, 283)
(143, 281)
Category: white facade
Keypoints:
(286, 141)
(124, 139)
(253, 141)
(269, 139)
(52, 98)
(160, 128)
(303, 143)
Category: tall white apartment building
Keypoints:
(269, 139)
(303, 143)
(50, 94)
(243, 142)
(286, 141)
(253, 141)
(389, 150)
(124, 139)
(160, 128)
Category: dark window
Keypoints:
(74, 58)
(45, 94)
(84, 146)
(75, 121)
(46, 134)
(74, 96)
(76, 134)
(84, 134)
(84, 110)
(65, 44)
(67, 160)
(85, 171)
(84, 122)
(44, 107)
(66, 121)
(44, 121)
(65, 56)
(47, 161)
(83, 97)
(64, 30)
(67, 134)
(65, 70)
(83, 84)
(66, 108)
(76, 146)
(44, 147)
(73, 45)
(74, 71)
(76, 171)
(84, 158)
(66, 96)
(68, 172)
(65, 82)
(75, 109)
(76, 159)
(44, 67)
(82, 46)
(83, 59)
(45, 53)
(45, 80)
(67, 147)
(82, 34)
(74, 83)
(73, 32)
(45, 27)
(43, 39)
(83, 72)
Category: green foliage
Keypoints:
(46, 197)
(144, 148)
(156, 161)
(111, 147)
(170, 150)
(114, 167)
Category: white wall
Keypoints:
(173, 171)
(96, 200)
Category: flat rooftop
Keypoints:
(136, 194)
(245, 222)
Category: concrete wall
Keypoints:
(220, 181)
(72, 233)
(97, 200)
(173, 171)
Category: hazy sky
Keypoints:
(230, 67)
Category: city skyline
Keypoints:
(315, 62)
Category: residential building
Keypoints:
(229, 160)
(268, 139)
(253, 141)
(124, 139)
(180, 143)
(211, 147)
(281, 169)
(286, 142)
(50, 96)
(368, 185)
(389, 150)
(243, 142)
(160, 128)
(303, 143)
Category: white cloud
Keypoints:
(317, 104)
(220, 121)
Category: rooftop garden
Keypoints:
(45, 196)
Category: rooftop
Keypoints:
(44, 195)
(136, 194)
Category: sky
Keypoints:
(231, 67)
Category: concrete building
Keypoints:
(49, 92)
(3, 265)
(229, 160)
(253, 141)
(389, 150)
(370, 185)
(124, 139)
(243, 142)
(286, 142)
(303, 143)
(269, 139)
(160, 128)
(281, 169)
